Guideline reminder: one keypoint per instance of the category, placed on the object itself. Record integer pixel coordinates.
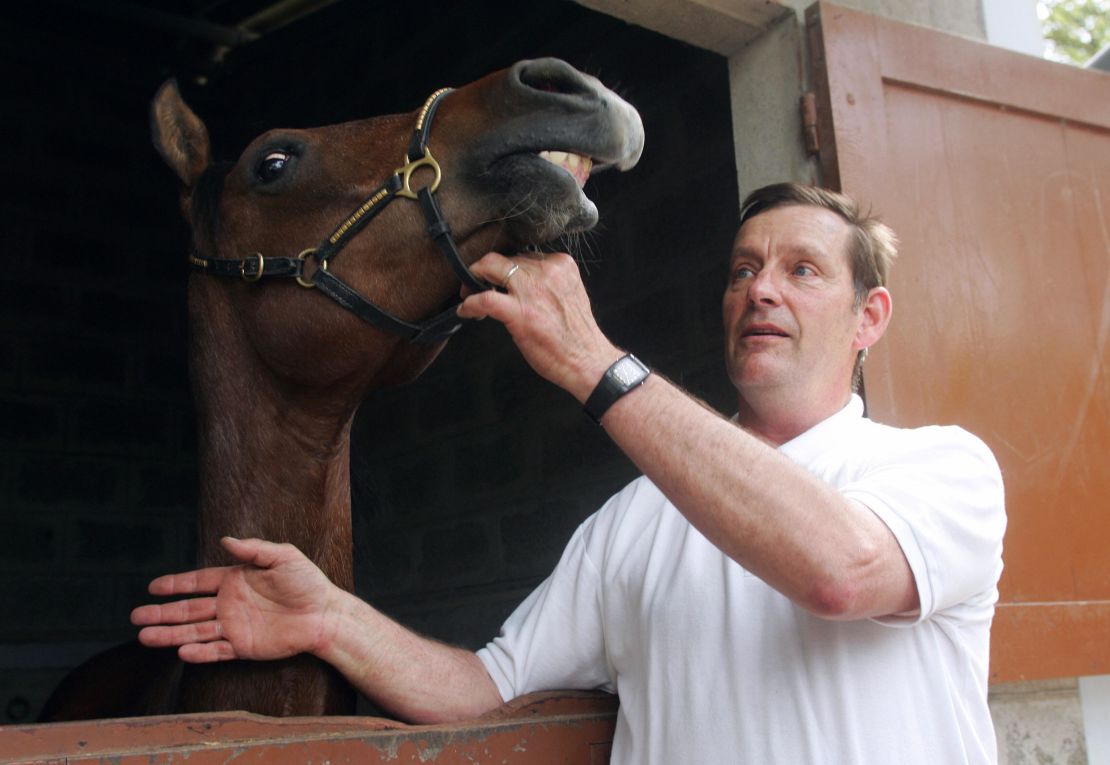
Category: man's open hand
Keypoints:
(275, 604)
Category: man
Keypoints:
(798, 585)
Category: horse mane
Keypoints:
(204, 205)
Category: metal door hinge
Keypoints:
(809, 123)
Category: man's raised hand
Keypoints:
(545, 307)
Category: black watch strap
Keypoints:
(626, 374)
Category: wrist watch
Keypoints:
(626, 374)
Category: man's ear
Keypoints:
(874, 317)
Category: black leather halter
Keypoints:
(439, 327)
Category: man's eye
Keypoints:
(272, 166)
(803, 271)
(743, 272)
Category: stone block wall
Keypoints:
(96, 441)
(466, 483)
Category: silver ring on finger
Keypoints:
(509, 275)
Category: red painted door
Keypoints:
(994, 169)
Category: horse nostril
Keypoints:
(549, 86)
(553, 76)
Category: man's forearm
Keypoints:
(417, 679)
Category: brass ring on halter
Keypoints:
(505, 281)
(413, 165)
(323, 264)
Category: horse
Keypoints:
(327, 262)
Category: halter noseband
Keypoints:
(439, 327)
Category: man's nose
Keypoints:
(764, 288)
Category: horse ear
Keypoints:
(179, 135)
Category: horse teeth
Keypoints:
(575, 164)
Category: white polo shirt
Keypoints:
(714, 666)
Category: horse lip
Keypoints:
(540, 171)
(557, 87)
(578, 116)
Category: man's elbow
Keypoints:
(834, 598)
(874, 579)
(847, 598)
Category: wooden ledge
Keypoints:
(554, 727)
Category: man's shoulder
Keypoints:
(860, 447)
(891, 441)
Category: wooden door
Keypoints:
(994, 169)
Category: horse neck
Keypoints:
(274, 463)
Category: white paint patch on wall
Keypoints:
(1094, 694)
(1013, 24)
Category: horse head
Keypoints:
(503, 164)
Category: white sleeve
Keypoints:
(942, 498)
(554, 639)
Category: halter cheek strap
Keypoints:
(254, 267)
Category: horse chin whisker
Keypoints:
(555, 218)
(522, 206)
(580, 244)
(519, 208)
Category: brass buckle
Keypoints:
(414, 165)
(300, 279)
(243, 267)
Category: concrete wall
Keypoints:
(767, 78)
(1039, 722)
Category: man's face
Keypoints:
(790, 325)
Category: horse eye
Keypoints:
(272, 166)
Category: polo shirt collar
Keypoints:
(824, 434)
